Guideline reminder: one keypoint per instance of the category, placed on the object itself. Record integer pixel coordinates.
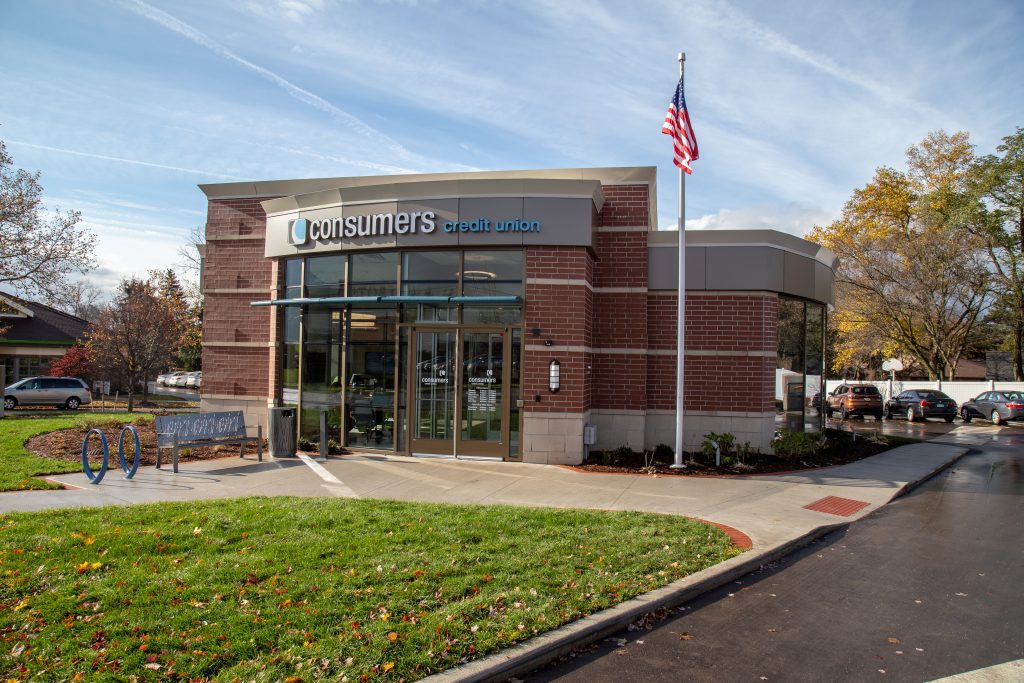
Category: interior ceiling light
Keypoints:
(478, 275)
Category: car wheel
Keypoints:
(949, 419)
(72, 403)
(888, 413)
(997, 419)
(828, 411)
(965, 415)
(10, 403)
(910, 414)
(878, 417)
(843, 413)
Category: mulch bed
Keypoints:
(698, 465)
(66, 444)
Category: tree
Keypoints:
(76, 362)
(999, 182)
(911, 276)
(37, 253)
(191, 255)
(82, 300)
(134, 335)
(186, 313)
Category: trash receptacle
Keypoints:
(281, 432)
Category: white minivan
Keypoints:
(68, 392)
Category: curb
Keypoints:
(536, 652)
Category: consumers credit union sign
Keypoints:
(335, 228)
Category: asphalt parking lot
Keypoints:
(915, 430)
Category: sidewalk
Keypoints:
(778, 512)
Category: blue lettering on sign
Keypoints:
(485, 225)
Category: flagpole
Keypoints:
(681, 310)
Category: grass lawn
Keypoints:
(298, 589)
(19, 467)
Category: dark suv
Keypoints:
(854, 399)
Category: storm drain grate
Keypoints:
(833, 505)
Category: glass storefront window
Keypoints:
(430, 273)
(492, 273)
(370, 385)
(491, 315)
(325, 276)
(789, 373)
(814, 366)
(293, 278)
(321, 373)
(372, 274)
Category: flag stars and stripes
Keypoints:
(677, 124)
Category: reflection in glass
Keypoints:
(491, 315)
(492, 273)
(482, 386)
(434, 386)
(293, 278)
(514, 393)
(325, 276)
(290, 359)
(372, 274)
(321, 370)
(370, 386)
(789, 375)
(814, 368)
(430, 273)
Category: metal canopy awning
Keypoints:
(345, 300)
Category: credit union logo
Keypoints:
(298, 231)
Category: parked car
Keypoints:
(854, 399)
(69, 392)
(179, 379)
(920, 404)
(169, 379)
(193, 379)
(997, 406)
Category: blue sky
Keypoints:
(125, 106)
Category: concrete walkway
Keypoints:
(771, 509)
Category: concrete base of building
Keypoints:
(255, 408)
(554, 438)
(757, 429)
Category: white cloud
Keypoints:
(795, 218)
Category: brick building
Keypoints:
(498, 313)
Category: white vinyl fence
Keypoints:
(958, 391)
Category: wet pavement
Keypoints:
(926, 587)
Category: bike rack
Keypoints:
(129, 472)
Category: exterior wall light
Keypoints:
(554, 370)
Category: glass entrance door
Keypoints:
(483, 413)
(460, 383)
(432, 423)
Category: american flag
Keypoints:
(677, 124)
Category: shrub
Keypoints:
(725, 443)
(792, 444)
(664, 453)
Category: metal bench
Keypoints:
(204, 429)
